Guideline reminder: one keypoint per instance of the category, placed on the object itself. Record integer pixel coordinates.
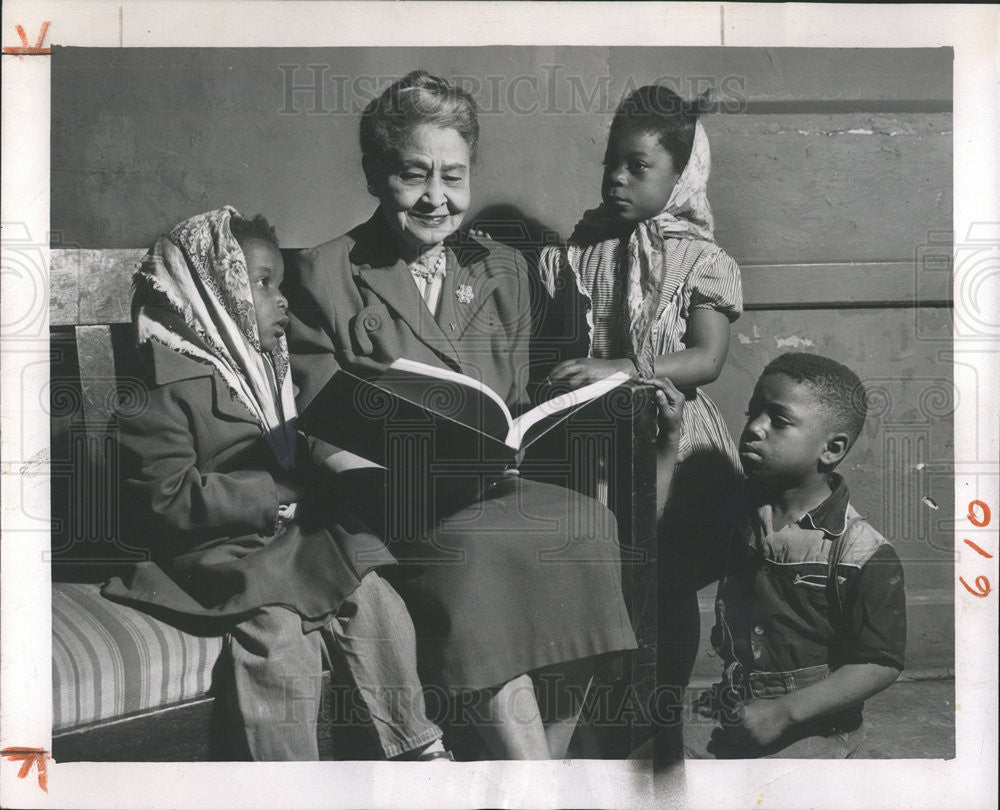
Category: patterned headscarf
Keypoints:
(687, 215)
(192, 294)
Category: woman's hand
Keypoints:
(585, 370)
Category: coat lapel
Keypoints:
(447, 317)
(227, 405)
(394, 285)
(171, 366)
(382, 271)
(476, 289)
(466, 288)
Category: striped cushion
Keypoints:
(109, 660)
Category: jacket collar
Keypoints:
(831, 515)
(169, 366)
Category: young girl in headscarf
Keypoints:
(243, 537)
(644, 289)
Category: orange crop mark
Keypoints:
(29, 757)
(24, 49)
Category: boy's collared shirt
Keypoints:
(774, 615)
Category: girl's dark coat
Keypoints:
(200, 495)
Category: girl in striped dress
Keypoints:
(647, 290)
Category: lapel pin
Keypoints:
(464, 294)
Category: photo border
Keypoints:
(25, 680)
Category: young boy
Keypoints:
(813, 621)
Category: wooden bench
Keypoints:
(127, 687)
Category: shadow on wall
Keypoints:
(510, 226)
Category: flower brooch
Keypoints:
(464, 294)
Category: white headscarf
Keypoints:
(192, 294)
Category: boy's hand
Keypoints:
(670, 403)
(585, 370)
(763, 722)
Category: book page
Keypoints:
(416, 367)
(563, 402)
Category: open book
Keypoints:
(468, 417)
(419, 382)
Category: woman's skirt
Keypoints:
(527, 576)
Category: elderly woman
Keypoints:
(535, 593)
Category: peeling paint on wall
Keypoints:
(793, 342)
(745, 339)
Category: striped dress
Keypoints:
(644, 319)
(697, 275)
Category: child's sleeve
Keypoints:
(161, 472)
(549, 268)
(875, 613)
(715, 283)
